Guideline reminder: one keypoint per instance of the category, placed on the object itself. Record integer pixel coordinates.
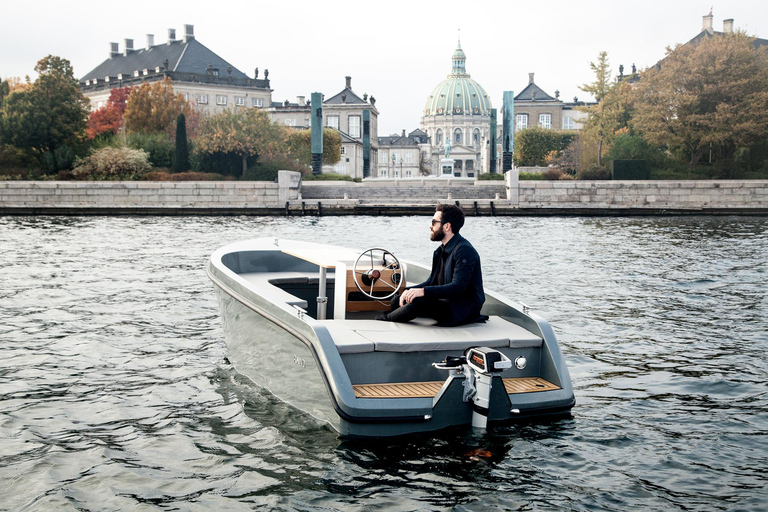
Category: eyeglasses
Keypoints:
(435, 221)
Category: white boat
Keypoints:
(299, 320)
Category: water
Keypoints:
(115, 391)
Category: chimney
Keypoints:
(300, 100)
(128, 46)
(706, 23)
(150, 41)
(530, 78)
(114, 51)
(189, 32)
(171, 35)
(403, 132)
(349, 82)
(728, 26)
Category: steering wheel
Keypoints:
(389, 261)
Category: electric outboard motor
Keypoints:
(478, 364)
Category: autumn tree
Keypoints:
(47, 114)
(300, 146)
(154, 107)
(713, 94)
(245, 133)
(602, 118)
(109, 118)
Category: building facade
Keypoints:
(205, 79)
(404, 156)
(456, 119)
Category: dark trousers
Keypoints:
(420, 307)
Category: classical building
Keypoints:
(458, 114)
(404, 156)
(204, 78)
(534, 107)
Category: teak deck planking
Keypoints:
(430, 389)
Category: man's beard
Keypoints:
(437, 236)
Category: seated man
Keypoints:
(453, 293)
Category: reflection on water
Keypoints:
(115, 390)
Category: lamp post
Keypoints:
(393, 164)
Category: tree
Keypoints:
(109, 118)
(47, 114)
(300, 146)
(154, 107)
(181, 161)
(242, 132)
(713, 94)
(602, 119)
(534, 146)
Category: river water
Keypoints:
(116, 394)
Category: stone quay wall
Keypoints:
(406, 191)
(682, 195)
(138, 194)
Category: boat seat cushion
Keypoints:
(421, 335)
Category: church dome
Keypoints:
(458, 94)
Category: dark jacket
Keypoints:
(463, 278)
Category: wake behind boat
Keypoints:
(299, 320)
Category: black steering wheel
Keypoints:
(369, 277)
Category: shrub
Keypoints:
(490, 177)
(112, 164)
(530, 176)
(328, 176)
(593, 172)
(553, 173)
(157, 145)
(183, 176)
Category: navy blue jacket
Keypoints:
(463, 278)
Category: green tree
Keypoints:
(181, 160)
(710, 95)
(48, 114)
(536, 146)
(602, 118)
(242, 132)
(300, 146)
(154, 107)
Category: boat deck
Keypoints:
(430, 389)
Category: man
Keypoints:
(453, 293)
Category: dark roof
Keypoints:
(183, 57)
(346, 139)
(527, 94)
(412, 139)
(344, 97)
(706, 34)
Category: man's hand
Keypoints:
(411, 294)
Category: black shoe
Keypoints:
(384, 318)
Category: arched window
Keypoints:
(439, 137)
(476, 137)
(457, 136)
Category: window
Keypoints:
(240, 102)
(340, 168)
(568, 123)
(382, 158)
(332, 122)
(258, 102)
(396, 158)
(521, 121)
(545, 121)
(457, 136)
(290, 122)
(186, 97)
(354, 127)
(221, 100)
(409, 158)
(383, 172)
(476, 137)
(343, 150)
(408, 173)
(439, 137)
(202, 99)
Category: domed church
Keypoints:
(458, 112)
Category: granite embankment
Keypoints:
(381, 197)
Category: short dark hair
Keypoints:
(452, 214)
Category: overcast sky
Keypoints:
(397, 51)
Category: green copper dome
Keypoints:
(458, 94)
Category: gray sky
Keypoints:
(397, 51)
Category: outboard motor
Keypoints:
(478, 364)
